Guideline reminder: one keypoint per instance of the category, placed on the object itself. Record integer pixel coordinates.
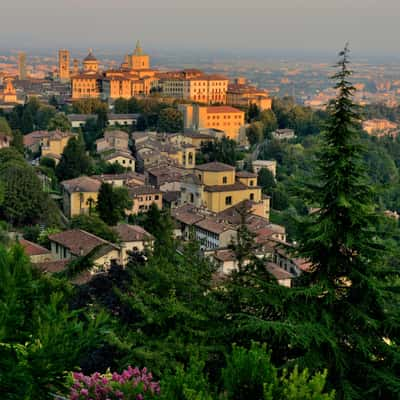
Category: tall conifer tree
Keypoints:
(343, 314)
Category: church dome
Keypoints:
(90, 56)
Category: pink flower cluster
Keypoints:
(132, 384)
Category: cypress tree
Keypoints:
(343, 314)
(356, 313)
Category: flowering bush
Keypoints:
(132, 384)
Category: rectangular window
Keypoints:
(251, 196)
(228, 200)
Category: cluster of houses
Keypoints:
(205, 201)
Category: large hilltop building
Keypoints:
(194, 85)
(133, 78)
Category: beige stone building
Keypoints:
(194, 85)
(143, 197)
(240, 94)
(133, 238)
(50, 143)
(70, 244)
(116, 140)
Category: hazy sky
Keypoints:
(371, 26)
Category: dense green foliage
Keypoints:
(24, 201)
(112, 203)
(170, 120)
(74, 161)
(40, 339)
(94, 224)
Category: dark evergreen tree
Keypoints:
(343, 314)
(112, 203)
(266, 180)
(74, 161)
(355, 306)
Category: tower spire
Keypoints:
(138, 49)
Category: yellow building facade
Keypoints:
(224, 118)
(80, 195)
(216, 186)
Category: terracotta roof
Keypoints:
(141, 190)
(212, 225)
(245, 174)
(132, 233)
(33, 249)
(82, 184)
(117, 134)
(37, 136)
(226, 188)
(215, 166)
(223, 109)
(186, 214)
(52, 266)
(225, 255)
(80, 242)
(278, 272)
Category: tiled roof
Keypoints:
(245, 174)
(212, 225)
(117, 134)
(132, 233)
(278, 272)
(223, 109)
(80, 242)
(37, 136)
(225, 255)
(215, 166)
(52, 266)
(82, 184)
(33, 249)
(186, 214)
(141, 190)
(226, 188)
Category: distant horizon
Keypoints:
(283, 28)
(261, 54)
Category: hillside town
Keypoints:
(184, 219)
